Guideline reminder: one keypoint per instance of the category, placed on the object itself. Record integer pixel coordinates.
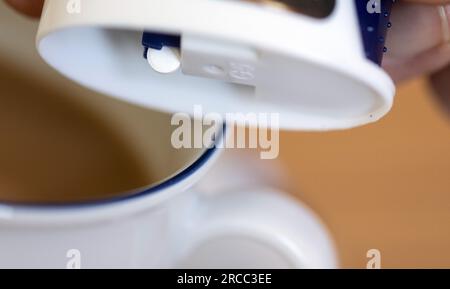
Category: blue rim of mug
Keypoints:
(138, 193)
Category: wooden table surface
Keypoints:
(384, 186)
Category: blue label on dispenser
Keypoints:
(374, 18)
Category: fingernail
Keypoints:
(444, 14)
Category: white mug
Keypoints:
(187, 220)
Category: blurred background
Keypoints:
(384, 186)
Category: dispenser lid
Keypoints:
(235, 57)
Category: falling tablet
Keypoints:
(162, 51)
(164, 60)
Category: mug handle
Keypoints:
(254, 229)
